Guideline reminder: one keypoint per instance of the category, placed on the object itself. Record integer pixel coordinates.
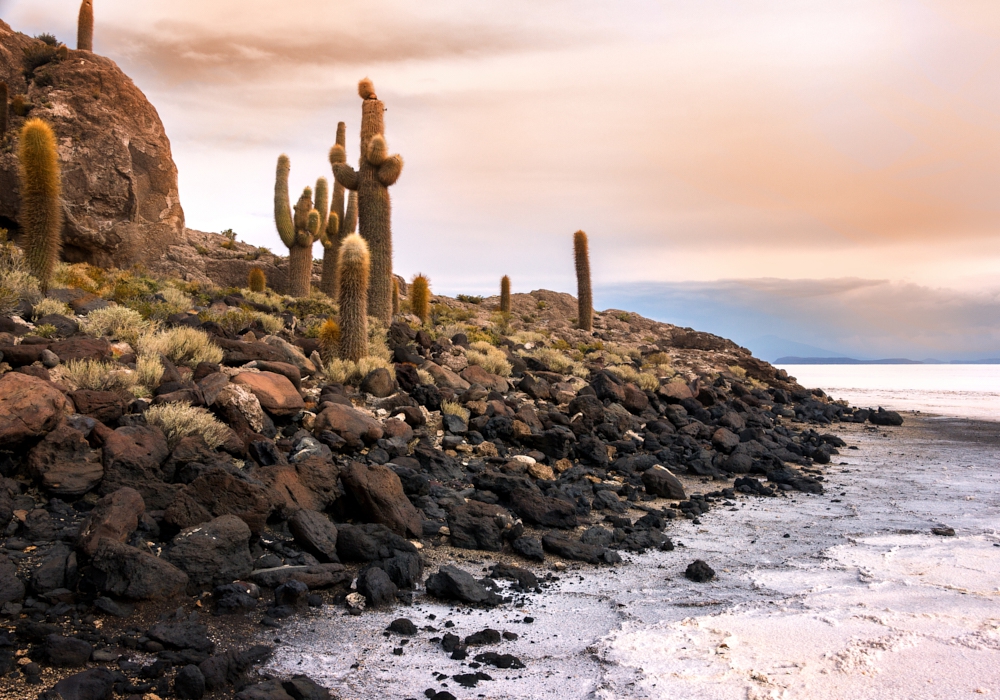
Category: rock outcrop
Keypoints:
(122, 205)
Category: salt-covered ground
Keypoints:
(845, 595)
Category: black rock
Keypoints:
(302, 687)
(451, 642)
(402, 626)
(225, 669)
(578, 551)
(293, 594)
(525, 579)
(67, 651)
(699, 572)
(92, 684)
(376, 586)
(189, 684)
(315, 533)
(232, 598)
(529, 548)
(483, 637)
(499, 660)
(883, 417)
(268, 690)
(182, 635)
(451, 583)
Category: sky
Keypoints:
(827, 172)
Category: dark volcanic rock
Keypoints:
(132, 457)
(189, 684)
(529, 548)
(883, 417)
(543, 511)
(129, 573)
(304, 688)
(314, 532)
(29, 407)
(213, 553)
(67, 651)
(376, 586)
(659, 481)
(369, 542)
(65, 463)
(356, 427)
(116, 516)
(92, 684)
(216, 494)
(699, 572)
(578, 551)
(452, 583)
(229, 667)
(379, 495)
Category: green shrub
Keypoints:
(183, 346)
(97, 376)
(49, 306)
(490, 358)
(469, 299)
(180, 420)
(117, 322)
(45, 330)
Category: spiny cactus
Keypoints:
(395, 296)
(321, 203)
(4, 113)
(329, 339)
(354, 272)
(297, 233)
(85, 27)
(420, 297)
(256, 280)
(340, 224)
(377, 172)
(505, 294)
(585, 301)
(41, 208)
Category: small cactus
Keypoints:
(395, 296)
(377, 172)
(584, 298)
(85, 27)
(329, 339)
(505, 294)
(41, 207)
(340, 223)
(298, 232)
(420, 297)
(4, 109)
(257, 280)
(354, 263)
(20, 106)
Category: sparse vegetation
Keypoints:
(350, 372)
(97, 376)
(454, 408)
(183, 346)
(118, 322)
(257, 280)
(557, 361)
(490, 358)
(179, 420)
(16, 283)
(470, 299)
(49, 306)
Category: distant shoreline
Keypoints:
(889, 361)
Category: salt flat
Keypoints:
(844, 595)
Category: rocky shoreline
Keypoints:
(136, 551)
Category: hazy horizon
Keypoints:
(825, 173)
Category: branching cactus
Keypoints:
(377, 172)
(584, 298)
(298, 232)
(420, 297)
(85, 27)
(41, 205)
(341, 223)
(354, 273)
(505, 294)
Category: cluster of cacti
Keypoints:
(354, 270)
(505, 294)
(341, 223)
(257, 280)
(41, 208)
(377, 172)
(420, 297)
(4, 113)
(583, 295)
(85, 27)
(298, 232)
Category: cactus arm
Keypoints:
(282, 208)
(328, 236)
(390, 170)
(322, 188)
(337, 201)
(350, 223)
(343, 173)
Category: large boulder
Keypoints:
(276, 393)
(213, 553)
(356, 427)
(314, 532)
(120, 195)
(379, 495)
(660, 481)
(133, 457)
(116, 516)
(219, 493)
(29, 406)
(65, 463)
(126, 572)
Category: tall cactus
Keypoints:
(85, 27)
(584, 297)
(340, 224)
(354, 263)
(377, 172)
(4, 109)
(420, 297)
(41, 208)
(505, 294)
(298, 232)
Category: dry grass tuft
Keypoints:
(117, 322)
(97, 376)
(350, 372)
(490, 358)
(182, 346)
(179, 420)
(455, 409)
(49, 306)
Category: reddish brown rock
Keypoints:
(311, 484)
(356, 427)
(29, 407)
(379, 495)
(116, 516)
(105, 406)
(133, 457)
(65, 463)
(474, 374)
(127, 572)
(219, 493)
(275, 392)
(82, 349)
(444, 377)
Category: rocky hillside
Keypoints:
(165, 443)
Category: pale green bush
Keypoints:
(557, 361)
(348, 372)
(49, 306)
(183, 346)
(179, 420)
(117, 322)
(97, 376)
(490, 358)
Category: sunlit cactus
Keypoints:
(341, 222)
(377, 172)
(505, 294)
(329, 339)
(420, 297)
(298, 232)
(257, 280)
(41, 207)
(585, 301)
(85, 27)
(354, 272)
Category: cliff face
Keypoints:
(119, 179)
